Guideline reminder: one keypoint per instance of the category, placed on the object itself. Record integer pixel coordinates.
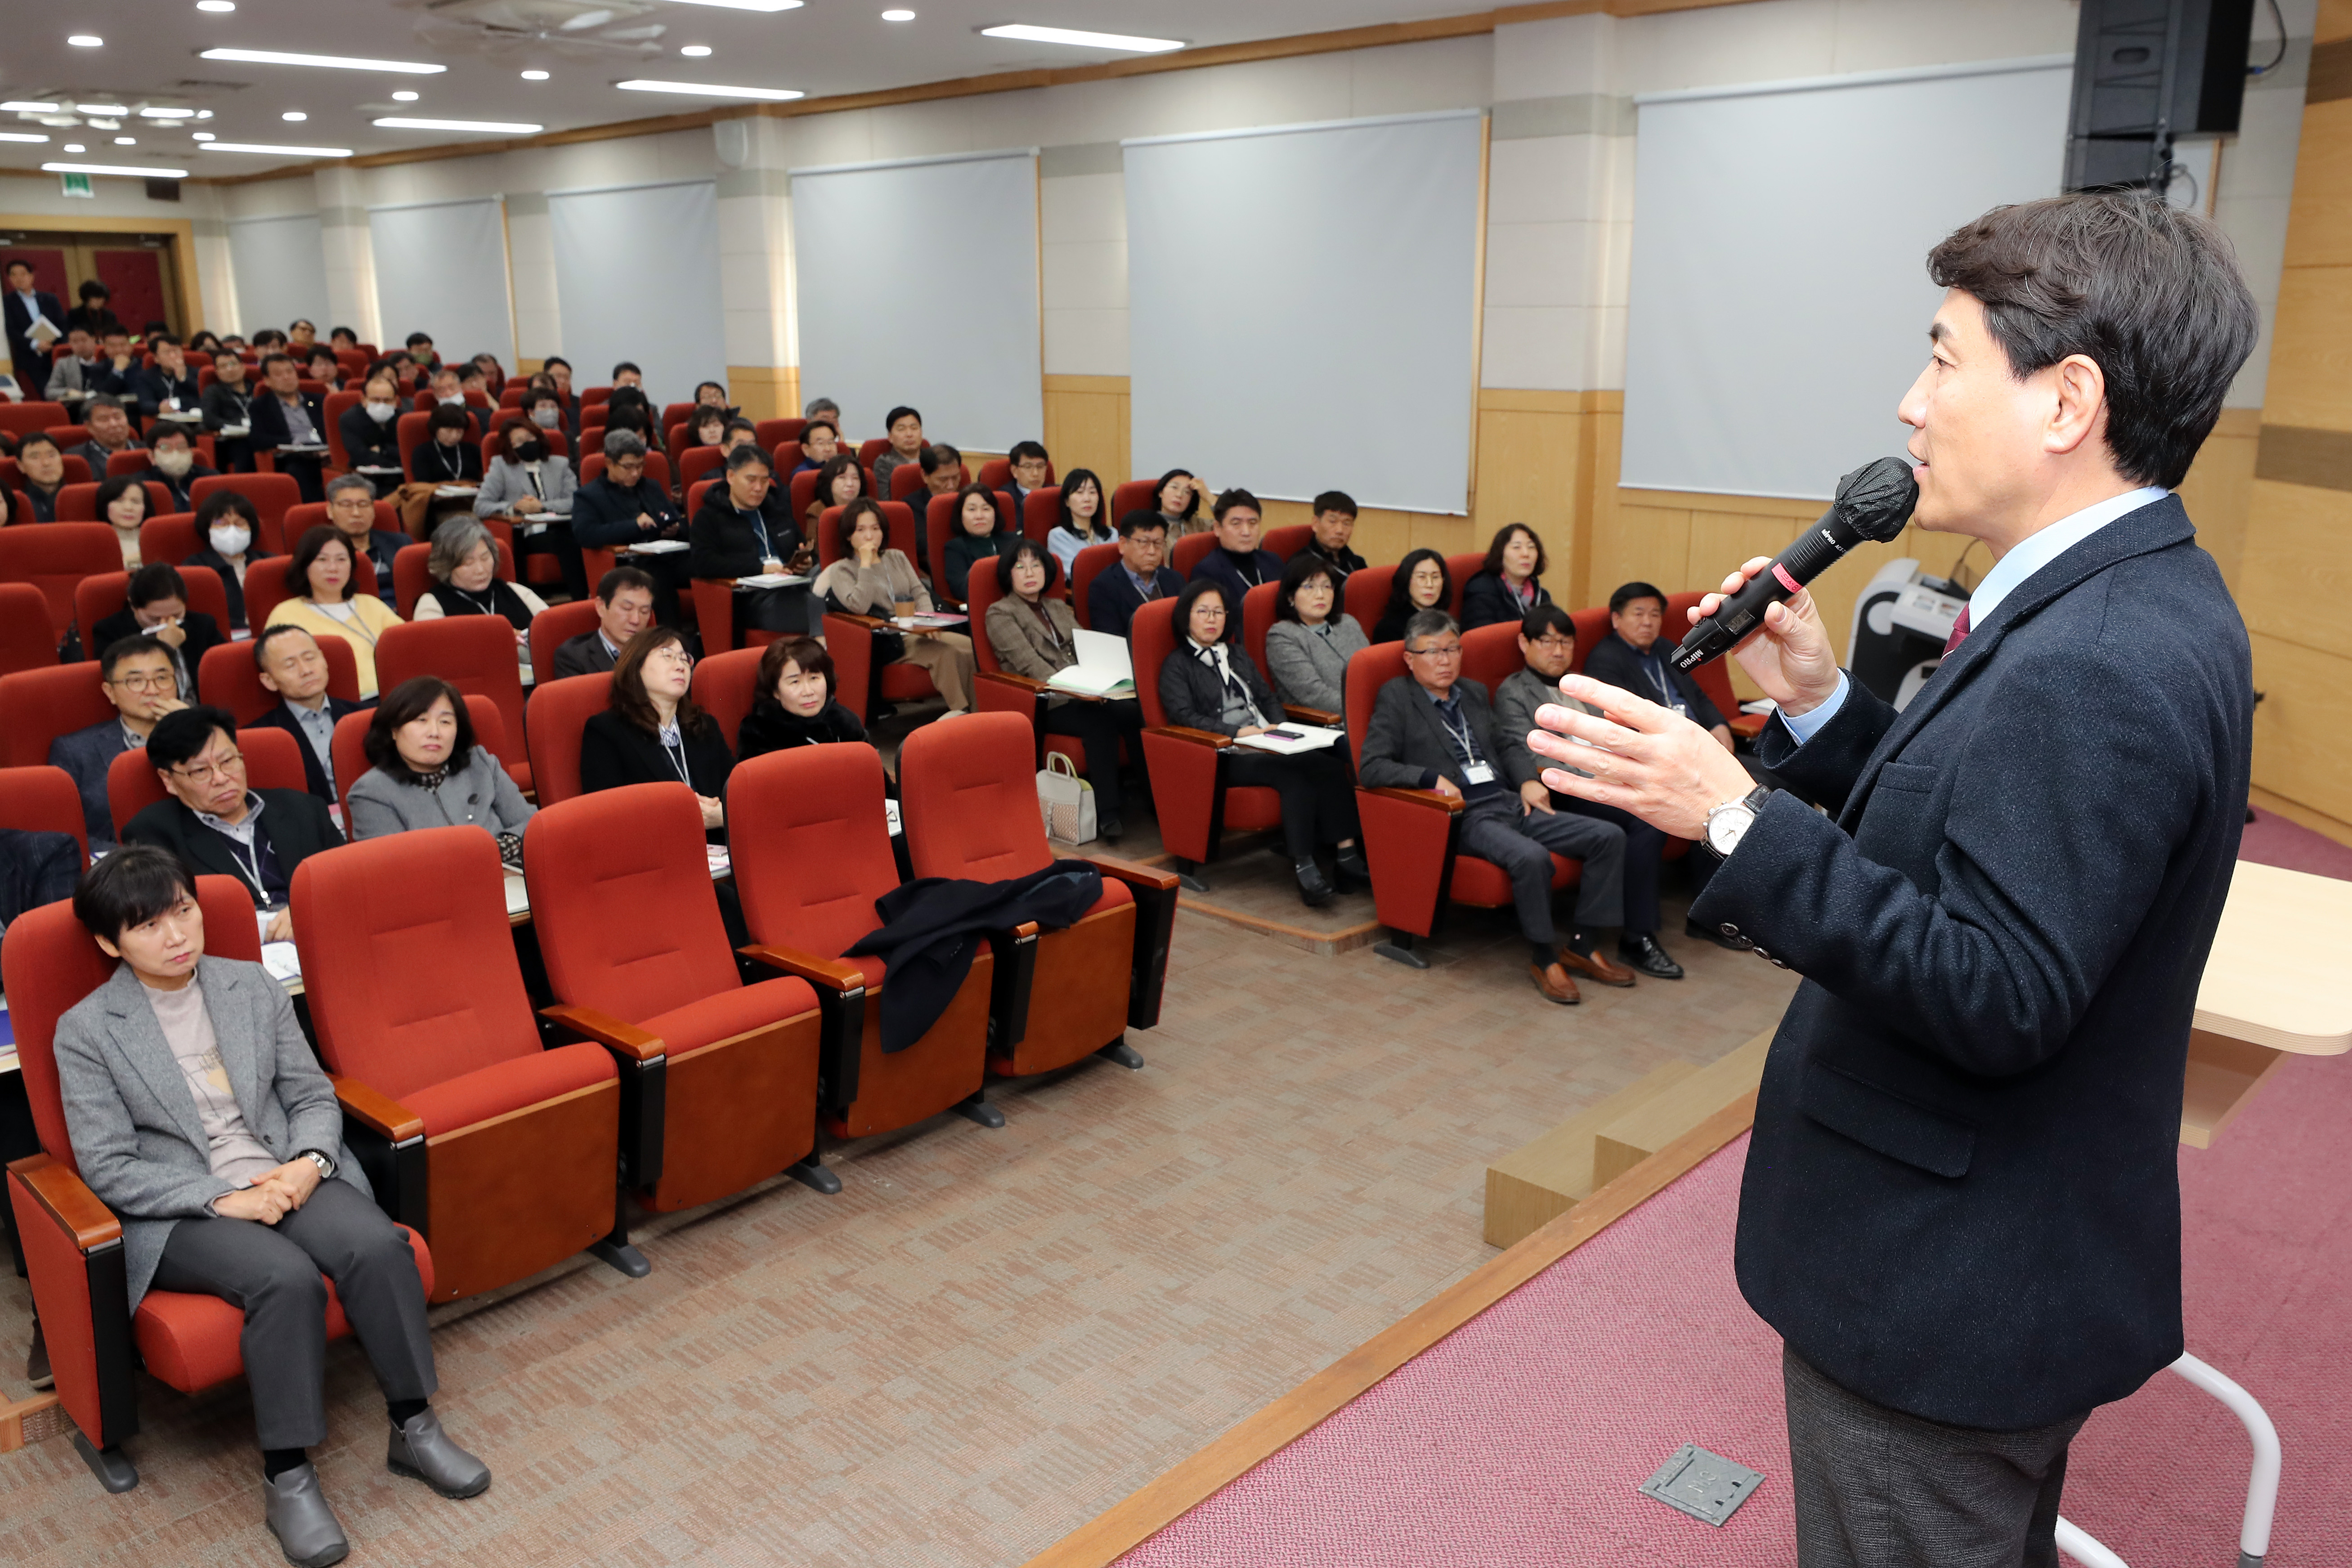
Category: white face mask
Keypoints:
(230, 538)
(547, 418)
(457, 397)
(175, 463)
(382, 413)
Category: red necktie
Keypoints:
(1959, 633)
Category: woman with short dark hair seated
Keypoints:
(1209, 683)
(1422, 582)
(974, 538)
(838, 482)
(198, 1114)
(652, 734)
(1036, 635)
(230, 528)
(872, 580)
(425, 770)
(1507, 586)
(464, 561)
(448, 455)
(325, 603)
(157, 608)
(1312, 640)
(122, 503)
(795, 705)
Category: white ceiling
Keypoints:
(822, 48)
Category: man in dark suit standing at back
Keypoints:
(1962, 1207)
(27, 350)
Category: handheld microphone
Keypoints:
(1873, 502)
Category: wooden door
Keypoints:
(135, 277)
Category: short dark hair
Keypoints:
(97, 401)
(555, 359)
(168, 430)
(1159, 486)
(116, 331)
(628, 366)
(629, 397)
(832, 469)
(809, 426)
(301, 321)
(222, 351)
(629, 416)
(996, 516)
(274, 357)
(268, 635)
(901, 412)
(1194, 591)
(448, 416)
(14, 262)
(622, 578)
(297, 567)
(1228, 500)
(806, 652)
(111, 489)
(1494, 562)
(1432, 623)
(36, 439)
(744, 457)
(1334, 500)
(334, 332)
(1400, 586)
(718, 386)
(130, 887)
(121, 648)
(940, 455)
(535, 395)
(735, 421)
(2149, 291)
(1632, 591)
(404, 704)
(1302, 569)
(416, 338)
(1027, 449)
(1141, 521)
(267, 336)
(863, 506)
(160, 339)
(1030, 550)
(627, 697)
(210, 510)
(1546, 618)
(91, 288)
(157, 579)
(181, 734)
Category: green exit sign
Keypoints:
(77, 185)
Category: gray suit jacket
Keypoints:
(1405, 745)
(87, 754)
(1516, 701)
(481, 793)
(507, 483)
(134, 1126)
(1309, 669)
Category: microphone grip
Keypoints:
(1741, 612)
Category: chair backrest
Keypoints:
(1459, 570)
(1150, 641)
(272, 495)
(511, 394)
(1186, 555)
(24, 418)
(53, 557)
(1367, 593)
(265, 588)
(869, 450)
(786, 456)
(349, 746)
(592, 466)
(1490, 655)
(698, 462)
(595, 396)
(339, 403)
(37, 706)
(1286, 540)
(1092, 562)
(558, 712)
(408, 964)
(68, 435)
(984, 587)
(810, 845)
(43, 800)
(172, 537)
(552, 627)
(27, 640)
(622, 903)
(229, 678)
(13, 474)
(1714, 677)
(772, 431)
(1133, 495)
(898, 528)
(78, 503)
(968, 792)
(906, 481)
(725, 686)
(100, 595)
(273, 760)
(1592, 625)
(1257, 618)
(1041, 510)
(137, 460)
(476, 653)
(1369, 670)
(673, 415)
(803, 491)
(48, 962)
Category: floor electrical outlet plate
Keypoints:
(1704, 1484)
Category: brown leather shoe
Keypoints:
(1597, 967)
(1555, 985)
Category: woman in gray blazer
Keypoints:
(199, 1116)
(525, 479)
(1312, 640)
(424, 770)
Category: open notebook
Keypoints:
(1103, 669)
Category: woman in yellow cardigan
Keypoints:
(326, 605)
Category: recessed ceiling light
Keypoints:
(21, 136)
(76, 147)
(22, 106)
(695, 51)
(100, 123)
(126, 142)
(1024, 33)
(534, 76)
(202, 136)
(897, 16)
(87, 41)
(134, 172)
(295, 116)
(167, 114)
(203, 114)
(330, 62)
(404, 96)
(103, 107)
(273, 147)
(215, 4)
(706, 90)
(749, 5)
(495, 127)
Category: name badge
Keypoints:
(1682, 709)
(1478, 772)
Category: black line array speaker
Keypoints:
(2147, 71)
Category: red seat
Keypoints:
(1188, 552)
(772, 431)
(229, 678)
(940, 525)
(410, 431)
(53, 557)
(101, 594)
(811, 853)
(1092, 562)
(272, 495)
(698, 463)
(37, 706)
(412, 573)
(1367, 593)
(1592, 625)
(339, 403)
(476, 653)
(504, 1154)
(173, 538)
(906, 481)
(1189, 792)
(78, 503)
(803, 492)
(725, 1073)
(1133, 495)
(785, 455)
(869, 450)
(265, 588)
(43, 799)
(137, 460)
(24, 418)
(1041, 510)
(273, 760)
(595, 396)
(1714, 677)
(558, 713)
(725, 686)
(859, 684)
(348, 748)
(968, 793)
(68, 435)
(27, 641)
(554, 626)
(72, 1243)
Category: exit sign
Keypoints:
(77, 185)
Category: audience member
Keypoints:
(1210, 683)
(109, 432)
(824, 408)
(1629, 656)
(170, 386)
(1431, 730)
(975, 537)
(1086, 515)
(343, 338)
(142, 681)
(493, 374)
(351, 508)
(421, 352)
(737, 432)
(705, 426)
(122, 504)
(34, 317)
(870, 579)
(712, 394)
(1332, 531)
(228, 524)
(228, 413)
(1312, 640)
(425, 770)
(157, 607)
(294, 668)
(326, 600)
(620, 507)
(79, 372)
(319, 363)
(795, 705)
(449, 455)
(174, 466)
(627, 373)
(558, 369)
(1028, 469)
(1422, 582)
(231, 1178)
(535, 487)
(371, 433)
(268, 341)
(625, 607)
(36, 869)
(543, 407)
(838, 483)
(1176, 501)
(217, 825)
(41, 465)
(301, 333)
(1140, 576)
(905, 428)
(95, 313)
(464, 561)
(745, 530)
(943, 473)
(651, 733)
(1237, 564)
(1508, 584)
(1036, 635)
(820, 442)
(291, 423)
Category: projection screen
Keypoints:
(280, 265)
(637, 279)
(441, 270)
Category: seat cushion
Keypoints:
(730, 1014)
(191, 1341)
(1251, 806)
(508, 1086)
(1115, 893)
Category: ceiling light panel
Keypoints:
(272, 147)
(492, 127)
(748, 5)
(324, 62)
(128, 170)
(1022, 32)
(21, 136)
(707, 89)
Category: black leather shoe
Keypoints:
(297, 1513)
(1350, 871)
(1643, 952)
(1313, 890)
(421, 1449)
(1111, 829)
(37, 1364)
(1708, 933)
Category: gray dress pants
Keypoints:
(1522, 844)
(272, 1273)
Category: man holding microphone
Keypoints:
(1961, 1206)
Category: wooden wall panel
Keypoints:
(2220, 489)
(765, 392)
(2297, 570)
(2299, 747)
(2319, 221)
(1086, 425)
(2311, 367)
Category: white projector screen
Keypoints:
(917, 284)
(1301, 307)
(637, 279)
(1781, 299)
(441, 270)
(279, 266)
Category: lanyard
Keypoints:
(253, 874)
(759, 527)
(1463, 734)
(676, 755)
(1656, 670)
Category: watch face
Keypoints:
(1725, 829)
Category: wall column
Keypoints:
(755, 271)
(349, 255)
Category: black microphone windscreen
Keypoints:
(1876, 499)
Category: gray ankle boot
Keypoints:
(297, 1513)
(420, 1448)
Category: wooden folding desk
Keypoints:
(2278, 983)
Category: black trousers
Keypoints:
(557, 541)
(1645, 849)
(1102, 726)
(1318, 798)
(791, 612)
(272, 1273)
(309, 475)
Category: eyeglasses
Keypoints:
(1451, 650)
(1549, 641)
(205, 773)
(160, 681)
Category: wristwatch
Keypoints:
(1727, 824)
(326, 1166)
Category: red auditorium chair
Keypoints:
(1714, 677)
(476, 653)
(67, 436)
(811, 852)
(411, 575)
(802, 488)
(557, 714)
(725, 686)
(229, 678)
(1133, 495)
(1189, 792)
(1367, 594)
(1592, 625)
(906, 482)
(969, 798)
(1041, 510)
(73, 1244)
(272, 495)
(13, 478)
(940, 525)
(22, 419)
(701, 463)
(1286, 540)
(505, 1155)
(137, 460)
(348, 747)
(724, 1074)
(78, 503)
(273, 760)
(172, 537)
(785, 455)
(1412, 836)
(1188, 552)
(338, 404)
(265, 588)
(27, 641)
(410, 430)
(53, 557)
(595, 396)
(899, 528)
(37, 706)
(554, 626)
(772, 431)
(100, 595)
(861, 683)
(673, 415)
(869, 450)
(1092, 562)
(43, 799)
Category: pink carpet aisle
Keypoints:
(1519, 1439)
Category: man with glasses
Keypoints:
(744, 528)
(1140, 576)
(137, 676)
(351, 508)
(621, 509)
(1432, 730)
(217, 825)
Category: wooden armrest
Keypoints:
(68, 1200)
(834, 974)
(1747, 724)
(1021, 682)
(376, 1110)
(608, 1031)
(871, 623)
(1311, 715)
(1127, 871)
(1209, 738)
(1449, 804)
(1024, 932)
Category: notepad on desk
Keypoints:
(931, 621)
(770, 580)
(236, 432)
(449, 491)
(518, 893)
(656, 547)
(1289, 740)
(1103, 669)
